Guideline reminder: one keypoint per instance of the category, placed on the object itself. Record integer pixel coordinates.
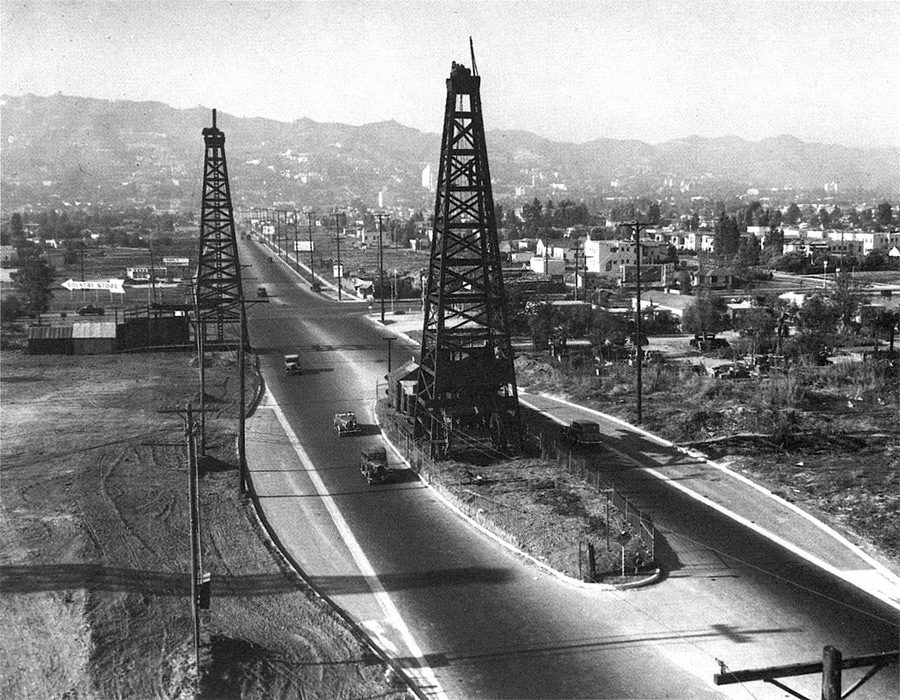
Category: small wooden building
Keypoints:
(402, 387)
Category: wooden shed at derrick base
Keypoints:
(401, 388)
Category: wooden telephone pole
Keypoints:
(830, 667)
(200, 581)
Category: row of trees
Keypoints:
(34, 282)
(539, 219)
(70, 225)
(827, 319)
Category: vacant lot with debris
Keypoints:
(827, 438)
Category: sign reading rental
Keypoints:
(113, 286)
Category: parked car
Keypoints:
(345, 424)
(373, 465)
(262, 293)
(707, 342)
(292, 364)
(91, 310)
(583, 432)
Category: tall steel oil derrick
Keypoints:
(467, 382)
(218, 292)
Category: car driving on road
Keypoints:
(583, 432)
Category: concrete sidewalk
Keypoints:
(733, 495)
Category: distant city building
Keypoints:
(428, 178)
(607, 256)
(554, 267)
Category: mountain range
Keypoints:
(77, 149)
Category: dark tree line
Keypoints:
(539, 219)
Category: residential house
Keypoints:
(716, 278)
(555, 267)
(607, 256)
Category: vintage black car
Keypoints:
(583, 432)
(373, 465)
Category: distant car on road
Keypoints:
(583, 432)
(292, 364)
(705, 343)
(91, 310)
(345, 424)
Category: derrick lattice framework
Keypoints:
(466, 378)
(219, 292)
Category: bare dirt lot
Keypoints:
(95, 555)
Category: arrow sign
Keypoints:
(113, 286)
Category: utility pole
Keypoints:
(242, 418)
(337, 238)
(381, 264)
(389, 341)
(296, 236)
(577, 256)
(312, 266)
(201, 360)
(200, 582)
(636, 226)
(830, 667)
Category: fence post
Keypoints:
(580, 574)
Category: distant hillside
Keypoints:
(89, 150)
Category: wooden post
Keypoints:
(831, 673)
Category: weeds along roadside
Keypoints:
(826, 437)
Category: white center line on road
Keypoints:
(422, 675)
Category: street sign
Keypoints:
(113, 286)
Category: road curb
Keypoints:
(655, 577)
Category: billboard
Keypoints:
(653, 275)
(304, 246)
(113, 286)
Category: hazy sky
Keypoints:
(570, 71)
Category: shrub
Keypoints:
(11, 309)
